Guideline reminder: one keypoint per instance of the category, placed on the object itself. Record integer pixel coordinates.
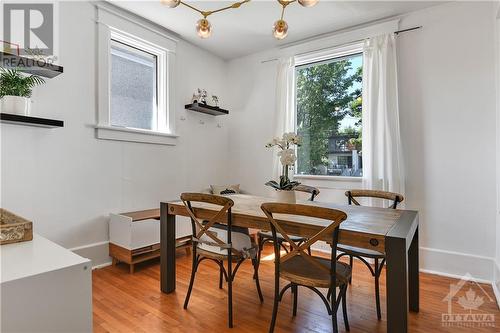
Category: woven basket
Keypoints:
(14, 228)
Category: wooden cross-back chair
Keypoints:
(219, 243)
(300, 268)
(395, 198)
(353, 252)
(267, 237)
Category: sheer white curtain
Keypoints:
(382, 156)
(285, 105)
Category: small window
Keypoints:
(135, 75)
(134, 91)
(328, 116)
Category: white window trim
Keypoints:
(317, 57)
(112, 25)
(327, 177)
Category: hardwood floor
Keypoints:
(126, 302)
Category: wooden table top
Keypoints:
(362, 227)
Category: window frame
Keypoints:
(319, 57)
(131, 31)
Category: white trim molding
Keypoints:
(456, 264)
(329, 178)
(135, 135)
(113, 25)
(97, 252)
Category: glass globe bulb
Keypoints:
(308, 3)
(280, 29)
(170, 3)
(203, 28)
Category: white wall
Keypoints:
(67, 181)
(447, 107)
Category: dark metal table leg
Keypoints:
(396, 285)
(167, 251)
(413, 268)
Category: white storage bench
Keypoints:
(134, 237)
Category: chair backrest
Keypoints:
(308, 189)
(203, 228)
(333, 215)
(396, 198)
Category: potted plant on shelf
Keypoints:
(285, 187)
(16, 89)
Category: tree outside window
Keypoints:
(329, 106)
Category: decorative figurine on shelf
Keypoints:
(203, 96)
(215, 100)
(195, 98)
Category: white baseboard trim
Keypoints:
(447, 263)
(89, 245)
(453, 276)
(456, 264)
(106, 264)
(496, 283)
(97, 252)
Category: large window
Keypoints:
(328, 117)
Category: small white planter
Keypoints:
(286, 196)
(16, 105)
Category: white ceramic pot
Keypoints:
(16, 105)
(286, 196)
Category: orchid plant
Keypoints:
(287, 158)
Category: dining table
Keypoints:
(393, 232)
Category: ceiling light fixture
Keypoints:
(204, 28)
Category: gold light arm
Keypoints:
(283, 4)
(192, 7)
(210, 12)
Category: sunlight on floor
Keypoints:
(270, 257)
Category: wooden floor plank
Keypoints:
(126, 302)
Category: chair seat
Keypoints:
(269, 235)
(358, 251)
(218, 256)
(240, 240)
(301, 271)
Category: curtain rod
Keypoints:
(409, 29)
(357, 41)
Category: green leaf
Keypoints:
(13, 83)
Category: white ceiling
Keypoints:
(243, 31)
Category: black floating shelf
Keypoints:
(205, 108)
(30, 66)
(18, 119)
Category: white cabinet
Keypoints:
(134, 237)
(44, 288)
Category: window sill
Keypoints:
(105, 132)
(329, 178)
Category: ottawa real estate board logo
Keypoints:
(466, 300)
(28, 30)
